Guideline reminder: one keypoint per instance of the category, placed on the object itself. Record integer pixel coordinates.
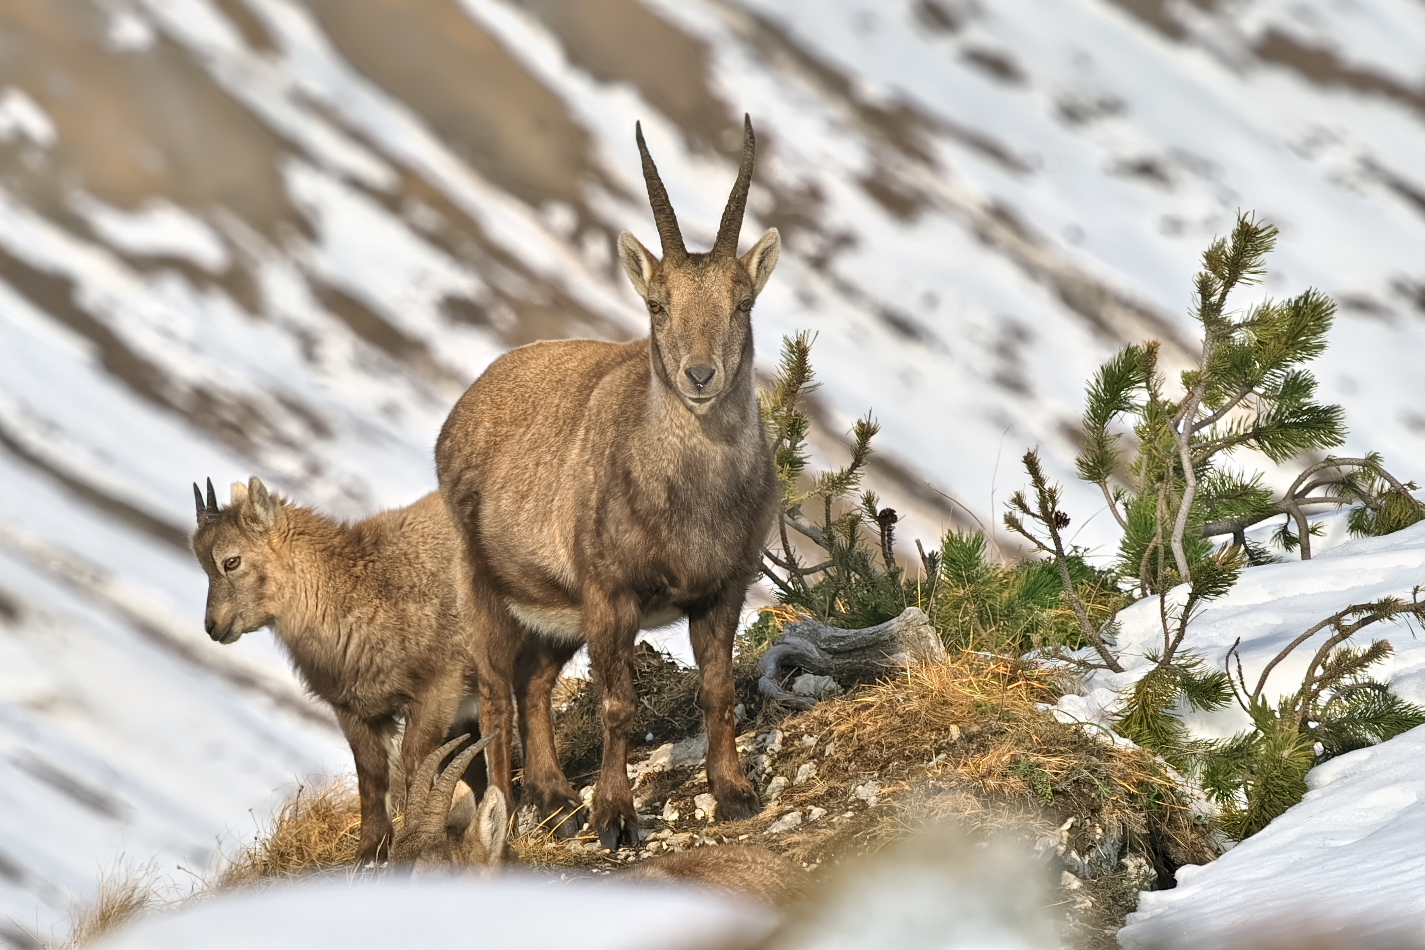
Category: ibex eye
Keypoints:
(655, 307)
(745, 306)
(231, 564)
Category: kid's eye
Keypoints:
(655, 307)
(231, 564)
(745, 306)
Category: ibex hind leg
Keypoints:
(544, 783)
(467, 723)
(711, 631)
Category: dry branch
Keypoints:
(848, 656)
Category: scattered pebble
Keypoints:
(670, 813)
(776, 787)
(830, 748)
(809, 741)
(817, 687)
(815, 813)
(739, 712)
(808, 772)
(868, 792)
(772, 742)
(706, 806)
(787, 822)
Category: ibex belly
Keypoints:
(562, 623)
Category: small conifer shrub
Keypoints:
(1179, 492)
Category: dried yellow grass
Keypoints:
(125, 893)
(316, 829)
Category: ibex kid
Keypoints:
(604, 487)
(373, 614)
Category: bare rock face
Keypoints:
(846, 656)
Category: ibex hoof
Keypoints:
(569, 824)
(737, 804)
(622, 832)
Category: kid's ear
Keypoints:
(638, 262)
(259, 507)
(762, 259)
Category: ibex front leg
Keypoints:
(711, 628)
(367, 738)
(610, 626)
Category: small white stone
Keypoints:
(772, 742)
(830, 748)
(817, 687)
(809, 741)
(586, 794)
(739, 712)
(706, 806)
(815, 813)
(867, 792)
(776, 787)
(786, 823)
(669, 812)
(805, 774)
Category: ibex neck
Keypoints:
(318, 588)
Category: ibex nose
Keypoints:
(211, 626)
(700, 375)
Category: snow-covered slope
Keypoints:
(280, 237)
(1343, 868)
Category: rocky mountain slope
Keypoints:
(280, 237)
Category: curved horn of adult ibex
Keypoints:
(731, 227)
(663, 216)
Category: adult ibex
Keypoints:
(605, 487)
(374, 616)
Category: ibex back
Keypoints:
(373, 614)
(606, 487)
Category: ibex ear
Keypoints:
(239, 491)
(638, 262)
(261, 507)
(762, 259)
(492, 825)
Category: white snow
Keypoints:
(22, 117)
(157, 228)
(1343, 868)
(1270, 606)
(512, 910)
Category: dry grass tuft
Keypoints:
(125, 893)
(966, 742)
(315, 830)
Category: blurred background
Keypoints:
(281, 236)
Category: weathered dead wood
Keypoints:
(848, 656)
